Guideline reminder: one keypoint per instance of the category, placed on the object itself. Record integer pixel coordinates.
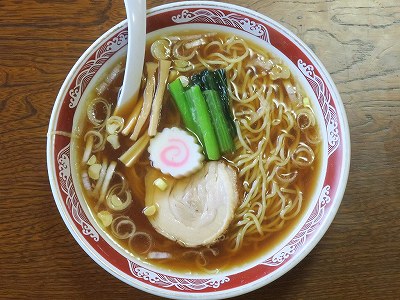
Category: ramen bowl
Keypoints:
(259, 270)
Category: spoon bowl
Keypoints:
(136, 16)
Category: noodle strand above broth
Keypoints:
(276, 158)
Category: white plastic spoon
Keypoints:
(136, 15)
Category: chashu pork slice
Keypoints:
(195, 210)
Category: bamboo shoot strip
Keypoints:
(134, 152)
(163, 73)
(133, 117)
(210, 141)
(148, 95)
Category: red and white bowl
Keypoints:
(272, 264)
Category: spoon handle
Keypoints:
(136, 16)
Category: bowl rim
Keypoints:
(254, 284)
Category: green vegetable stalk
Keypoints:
(209, 138)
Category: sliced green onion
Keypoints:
(306, 102)
(161, 184)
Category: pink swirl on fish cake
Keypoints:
(170, 155)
